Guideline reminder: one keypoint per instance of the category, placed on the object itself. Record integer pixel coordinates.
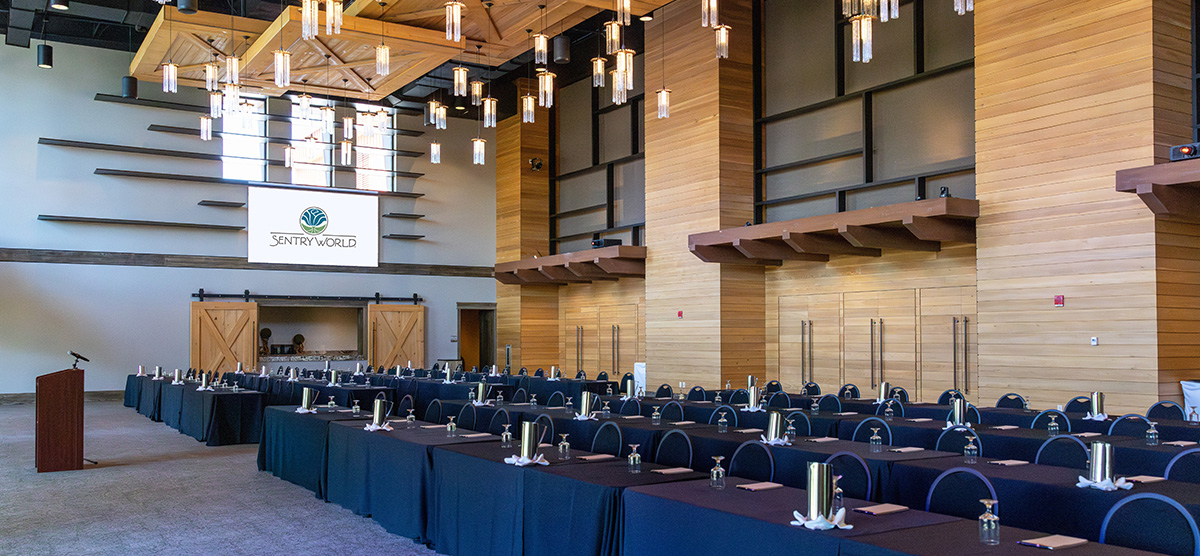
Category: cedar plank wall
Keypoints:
(699, 177)
(579, 297)
(1064, 97)
(526, 316)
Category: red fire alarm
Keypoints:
(1060, 301)
(681, 314)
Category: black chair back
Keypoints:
(675, 449)
(1078, 404)
(539, 372)
(898, 393)
(780, 399)
(954, 439)
(753, 460)
(774, 386)
(406, 403)
(499, 419)
(663, 391)
(557, 399)
(730, 415)
(433, 413)
(1129, 425)
(630, 407)
(602, 375)
(944, 399)
(799, 420)
(523, 372)
(830, 402)
(608, 439)
(520, 396)
(581, 375)
(1042, 420)
(739, 396)
(1185, 466)
(897, 407)
(696, 394)
(1165, 409)
(862, 433)
(849, 391)
(1063, 450)
(1152, 522)
(957, 492)
(467, 417)
(856, 475)
(812, 389)
(546, 426)
(673, 411)
(1011, 400)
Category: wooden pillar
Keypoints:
(526, 316)
(700, 176)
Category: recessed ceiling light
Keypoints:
(647, 17)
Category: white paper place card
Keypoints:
(632, 416)
(1085, 434)
(821, 439)
(522, 403)
(477, 435)
(1180, 443)
(342, 410)
(677, 423)
(920, 420)
(845, 413)
(671, 471)
(1054, 542)
(747, 431)
(664, 398)
(1009, 462)
(433, 426)
(907, 449)
(755, 487)
(544, 445)
(1144, 479)
(1005, 427)
(881, 509)
(699, 401)
(597, 457)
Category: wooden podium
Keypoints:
(59, 431)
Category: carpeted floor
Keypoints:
(159, 492)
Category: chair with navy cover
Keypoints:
(520, 396)
(830, 402)
(1063, 450)
(954, 439)
(972, 415)
(848, 391)
(539, 372)
(467, 417)
(730, 415)
(862, 433)
(799, 420)
(626, 378)
(1185, 466)
(663, 391)
(557, 399)
(898, 393)
(433, 413)
(602, 376)
(631, 407)
(1152, 522)
(524, 382)
(780, 399)
(1078, 404)
(523, 372)
(1165, 409)
(499, 419)
(581, 375)
(608, 439)
(1129, 425)
(405, 404)
(944, 398)
(739, 396)
(674, 450)
(696, 394)
(812, 389)
(774, 386)
(672, 411)
(546, 426)
(856, 475)
(957, 492)
(896, 405)
(753, 460)
(1042, 420)
(1011, 400)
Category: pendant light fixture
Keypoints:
(45, 55)
(333, 17)
(441, 117)
(431, 112)
(664, 94)
(476, 92)
(435, 153)
(305, 101)
(170, 70)
(216, 102)
(348, 128)
(206, 128)
(541, 42)
(212, 76)
(489, 112)
(598, 71)
(347, 151)
(722, 32)
(383, 54)
(623, 11)
(961, 7)
(233, 67)
(889, 10)
(546, 88)
(310, 12)
(625, 66)
(289, 155)
(861, 14)
(612, 36)
(479, 151)
(327, 112)
(454, 10)
(708, 12)
(528, 108)
(283, 61)
(460, 81)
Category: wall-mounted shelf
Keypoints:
(403, 236)
(129, 222)
(128, 149)
(915, 226)
(404, 215)
(1171, 189)
(221, 204)
(178, 106)
(273, 140)
(228, 181)
(606, 263)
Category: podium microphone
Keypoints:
(77, 357)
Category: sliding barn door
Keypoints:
(224, 334)
(396, 335)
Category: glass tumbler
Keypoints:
(716, 477)
(989, 524)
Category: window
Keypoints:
(309, 159)
(243, 142)
(373, 163)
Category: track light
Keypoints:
(45, 56)
(62, 5)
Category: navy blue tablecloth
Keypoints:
(961, 538)
(293, 445)
(171, 404)
(133, 390)
(425, 390)
(148, 401)
(570, 387)
(221, 417)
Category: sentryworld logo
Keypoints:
(313, 223)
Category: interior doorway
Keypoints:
(477, 334)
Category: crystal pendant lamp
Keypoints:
(476, 92)
(347, 149)
(206, 128)
(435, 153)
(541, 48)
(708, 12)
(283, 68)
(333, 17)
(722, 40)
(489, 112)
(212, 76)
(528, 108)
(309, 14)
(961, 7)
(479, 152)
(383, 59)
(460, 81)
(546, 89)
(599, 64)
(454, 10)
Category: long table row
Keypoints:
(457, 494)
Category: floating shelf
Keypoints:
(403, 236)
(228, 181)
(1171, 189)
(606, 263)
(916, 226)
(181, 107)
(404, 215)
(128, 222)
(221, 204)
(271, 140)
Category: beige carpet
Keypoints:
(159, 492)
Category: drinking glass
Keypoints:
(789, 434)
(332, 404)
(656, 417)
(717, 397)
(1193, 418)
(970, 451)
(564, 448)
(505, 437)
(888, 413)
(451, 428)
(356, 407)
(635, 460)
(989, 524)
(471, 395)
(838, 496)
(609, 390)
(716, 477)
(569, 406)
(410, 420)
(722, 423)
(682, 394)
(1052, 426)
(605, 411)
(533, 401)
(815, 407)
(499, 398)
(1152, 435)
(876, 441)
(847, 393)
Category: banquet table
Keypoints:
(425, 390)
(148, 400)
(1032, 496)
(133, 390)
(171, 404)
(343, 395)
(961, 538)
(572, 388)
(221, 417)
(293, 445)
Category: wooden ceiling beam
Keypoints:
(530, 276)
(940, 229)
(729, 255)
(886, 238)
(774, 250)
(560, 274)
(589, 270)
(827, 245)
(622, 267)
(337, 62)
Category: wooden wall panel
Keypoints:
(602, 300)
(1064, 98)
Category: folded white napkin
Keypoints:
(293, 380)
(906, 449)
(522, 462)
(1100, 417)
(752, 409)
(949, 424)
(1180, 443)
(239, 372)
(919, 420)
(372, 428)
(1107, 484)
(678, 423)
(202, 389)
(749, 430)
(159, 378)
(447, 381)
(176, 382)
(582, 417)
(626, 398)
(478, 403)
(302, 410)
(552, 379)
(776, 442)
(820, 523)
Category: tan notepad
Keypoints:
(684, 423)
(1005, 427)
(597, 457)
(1085, 434)
(920, 420)
(748, 430)
(1009, 462)
(907, 449)
(845, 413)
(1144, 479)
(881, 509)
(476, 435)
(1054, 542)
(821, 439)
(1180, 443)
(433, 426)
(671, 471)
(755, 487)
(632, 416)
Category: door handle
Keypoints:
(966, 357)
(616, 348)
(803, 357)
(881, 379)
(873, 385)
(811, 367)
(954, 348)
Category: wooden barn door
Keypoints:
(224, 334)
(396, 335)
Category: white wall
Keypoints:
(126, 316)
